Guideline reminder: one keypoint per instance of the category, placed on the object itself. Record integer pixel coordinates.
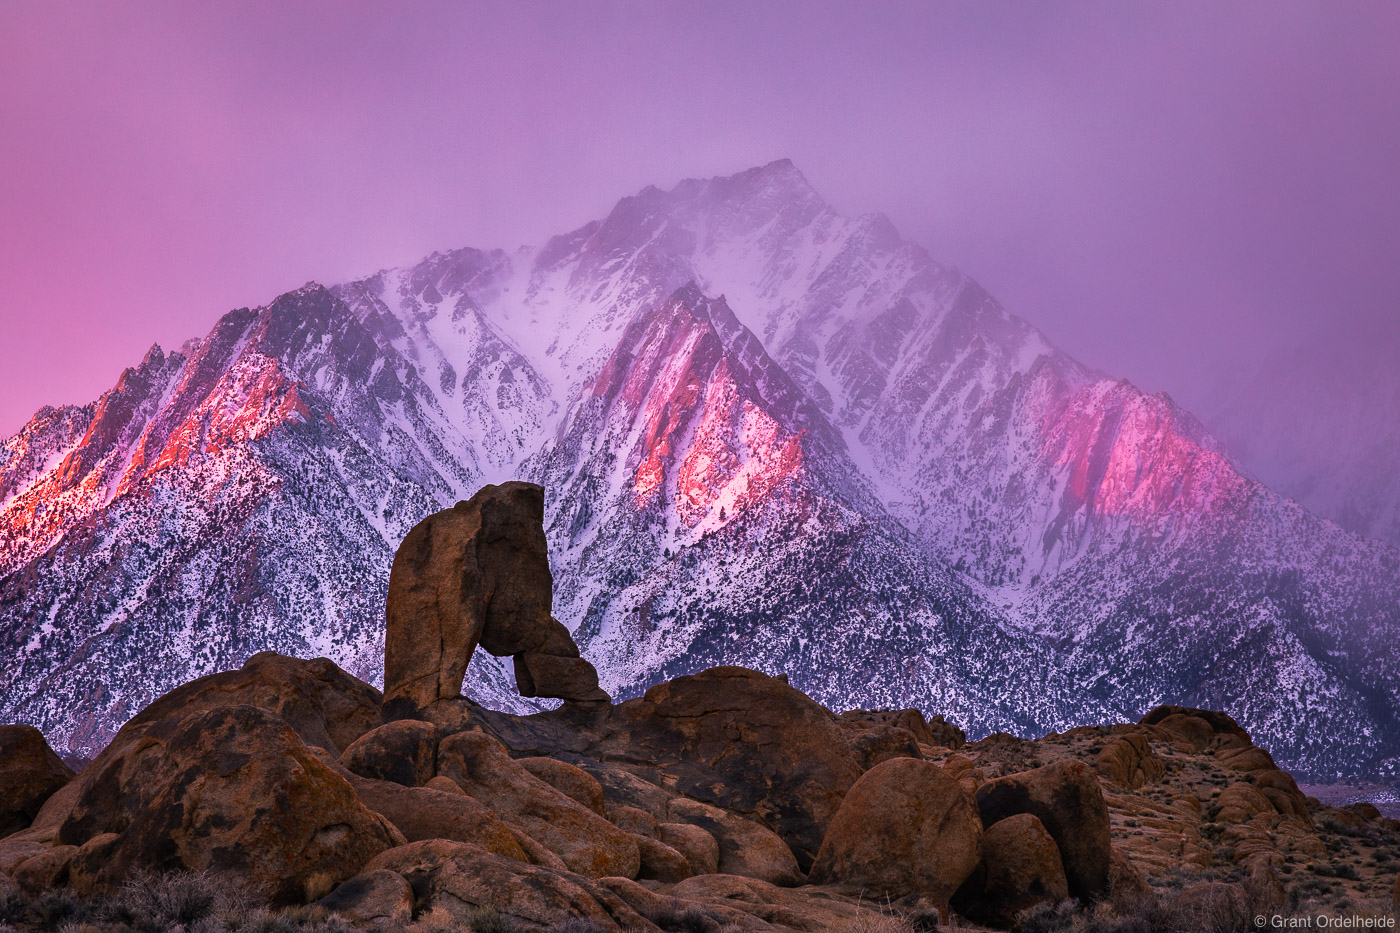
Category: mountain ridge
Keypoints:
(969, 493)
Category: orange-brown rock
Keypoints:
(47, 868)
(1283, 793)
(232, 790)
(16, 849)
(935, 732)
(633, 820)
(427, 813)
(458, 878)
(700, 848)
(1199, 728)
(570, 781)
(587, 842)
(1248, 758)
(743, 741)
(377, 899)
(875, 744)
(403, 751)
(745, 848)
(1241, 802)
(1066, 797)
(1125, 881)
(965, 771)
(536, 853)
(30, 773)
(324, 705)
(660, 862)
(1020, 868)
(905, 828)
(1130, 762)
(478, 574)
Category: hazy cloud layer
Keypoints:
(1169, 191)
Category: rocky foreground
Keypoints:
(726, 800)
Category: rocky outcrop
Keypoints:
(403, 751)
(743, 847)
(1020, 868)
(696, 806)
(30, 773)
(905, 828)
(1199, 729)
(743, 741)
(1130, 761)
(378, 899)
(429, 813)
(461, 879)
(231, 790)
(1066, 798)
(478, 574)
(325, 706)
(587, 842)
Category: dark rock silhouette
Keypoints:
(30, 773)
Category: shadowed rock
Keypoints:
(478, 574)
(30, 773)
(1020, 867)
(1066, 798)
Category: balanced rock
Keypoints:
(742, 847)
(906, 827)
(1065, 796)
(478, 574)
(30, 773)
(1020, 868)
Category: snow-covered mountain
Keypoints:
(770, 435)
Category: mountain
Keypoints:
(1316, 422)
(770, 435)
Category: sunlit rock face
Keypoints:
(769, 435)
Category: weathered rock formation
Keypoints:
(478, 574)
(906, 827)
(1020, 867)
(30, 773)
(724, 799)
(1066, 798)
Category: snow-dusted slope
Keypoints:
(770, 435)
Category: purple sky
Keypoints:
(1167, 190)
